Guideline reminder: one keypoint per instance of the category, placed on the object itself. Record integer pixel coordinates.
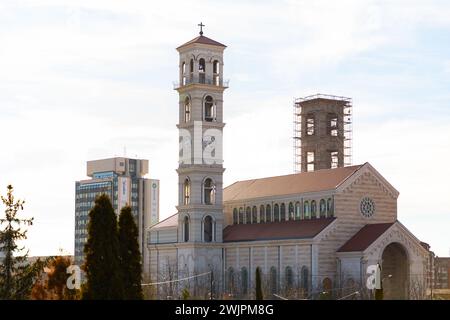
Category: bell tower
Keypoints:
(200, 211)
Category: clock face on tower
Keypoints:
(367, 207)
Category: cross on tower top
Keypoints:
(201, 25)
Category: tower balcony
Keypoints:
(201, 79)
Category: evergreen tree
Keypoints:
(258, 289)
(102, 260)
(17, 276)
(130, 256)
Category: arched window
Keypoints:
(244, 280)
(201, 70)
(186, 229)
(254, 215)
(187, 109)
(209, 191)
(282, 212)
(268, 213)
(323, 208)
(230, 280)
(208, 229)
(306, 210)
(273, 280)
(241, 215)
(216, 67)
(289, 278)
(291, 211)
(216, 70)
(248, 215)
(183, 74)
(298, 211)
(201, 65)
(210, 109)
(330, 207)
(191, 66)
(313, 209)
(305, 280)
(276, 213)
(261, 214)
(235, 216)
(187, 191)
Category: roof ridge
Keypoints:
(301, 173)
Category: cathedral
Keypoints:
(319, 233)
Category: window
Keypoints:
(201, 65)
(289, 278)
(187, 110)
(323, 208)
(282, 212)
(273, 280)
(209, 191)
(191, 70)
(297, 211)
(208, 229)
(313, 209)
(305, 280)
(330, 207)
(310, 125)
(261, 214)
(268, 213)
(201, 70)
(310, 161)
(186, 229)
(291, 211)
(248, 217)
(306, 210)
(216, 68)
(334, 159)
(333, 124)
(241, 215)
(244, 280)
(183, 74)
(254, 215)
(230, 280)
(210, 109)
(235, 216)
(276, 213)
(187, 191)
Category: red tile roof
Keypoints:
(319, 180)
(171, 221)
(203, 40)
(365, 237)
(275, 230)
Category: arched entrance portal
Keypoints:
(394, 272)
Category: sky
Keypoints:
(83, 80)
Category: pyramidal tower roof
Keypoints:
(203, 40)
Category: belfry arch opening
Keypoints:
(210, 109)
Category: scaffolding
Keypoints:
(298, 133)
